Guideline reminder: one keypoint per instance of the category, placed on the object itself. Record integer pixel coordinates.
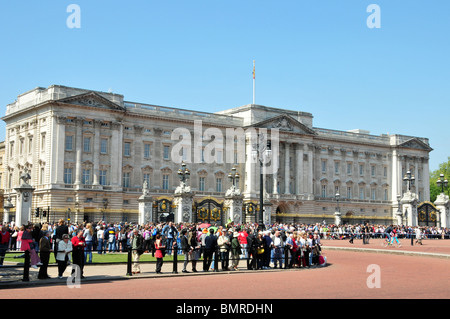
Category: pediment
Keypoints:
(285, 123)
(92, 99)
(415, 143)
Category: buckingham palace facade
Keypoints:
(89, 153)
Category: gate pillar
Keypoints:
(442, 204)
(409, 208)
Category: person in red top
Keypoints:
(4, 243)
(159, 245)
(78, 244)
(242, 237)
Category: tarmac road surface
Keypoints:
(347, 276)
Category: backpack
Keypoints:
(147, 235)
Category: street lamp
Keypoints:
(233, 177)
(409, 179)
(442, 183)
(261, 152)
(183, 173)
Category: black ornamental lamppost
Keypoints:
(233, 177)
(260, 151)
(183, 173)
(409, 179)
(442, 183)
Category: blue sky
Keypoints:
(313, 56)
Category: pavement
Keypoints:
(11, 274)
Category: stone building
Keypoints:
(89, 153)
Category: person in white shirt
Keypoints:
(63, 255)
(418, 236)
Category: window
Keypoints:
(361, 169)
(361, 193)
(127, 149)
(218, 184)
(373, 194)
(67, 176)
(385, 171)
(126, 179)
(373, 170)
(146, 150)
(336, 190)
(201, 183)
(43, 142)
(336, 167)
(166, 152)
(324, 166)
(21, 146)
(165, 184)
(349, 168)
(87, 144)
(11, 149)
(30, 144)
(219, 158)
(324, 190)
(386, 194)
(69, 142)
(349, 192)
(86, 177)
(42, 176)
(104, 146)
(102, 177)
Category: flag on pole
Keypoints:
(253, 69)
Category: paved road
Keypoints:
(346, 276)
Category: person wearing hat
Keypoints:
(235, 251)
(63, 254)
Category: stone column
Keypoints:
(24, 200)
(250, 168)
(442, 203)
(79, 151)
(426, 179)
(58, 156)
(96, 153)
(309, 181)
(116, 156)
(394, 178)
(299, 172)
(287, 169)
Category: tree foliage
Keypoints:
(435, 190)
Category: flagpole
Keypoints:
(253, 81)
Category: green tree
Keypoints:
(435, 190)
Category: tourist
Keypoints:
(63, 254)
(159, 254)
(78, 245)
(88, 236)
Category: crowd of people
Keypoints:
(259, 247)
